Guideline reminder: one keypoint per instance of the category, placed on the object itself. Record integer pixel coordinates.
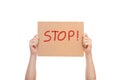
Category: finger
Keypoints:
(86, 41)
(34, 41)
(86, 45)
(36, 36)
(86, 35)
(34, 45)
(86, 38)
(31, 43)
(83, 35)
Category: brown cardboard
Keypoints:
(60, 38)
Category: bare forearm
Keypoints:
(31, 70)
(90, 70)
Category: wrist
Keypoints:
(34, 53)
(33, 56)
(88, 54)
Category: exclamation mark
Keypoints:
(77, 35)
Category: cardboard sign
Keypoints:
(60, 38)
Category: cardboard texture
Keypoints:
(60, 38)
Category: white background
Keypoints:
(18, 24)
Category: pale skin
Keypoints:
(87, 45)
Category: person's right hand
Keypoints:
(34, 45)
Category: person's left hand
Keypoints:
(87, 44)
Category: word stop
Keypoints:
(60, 35)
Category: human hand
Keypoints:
(33, 43)
(87, 44)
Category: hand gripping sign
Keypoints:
(60, 38)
